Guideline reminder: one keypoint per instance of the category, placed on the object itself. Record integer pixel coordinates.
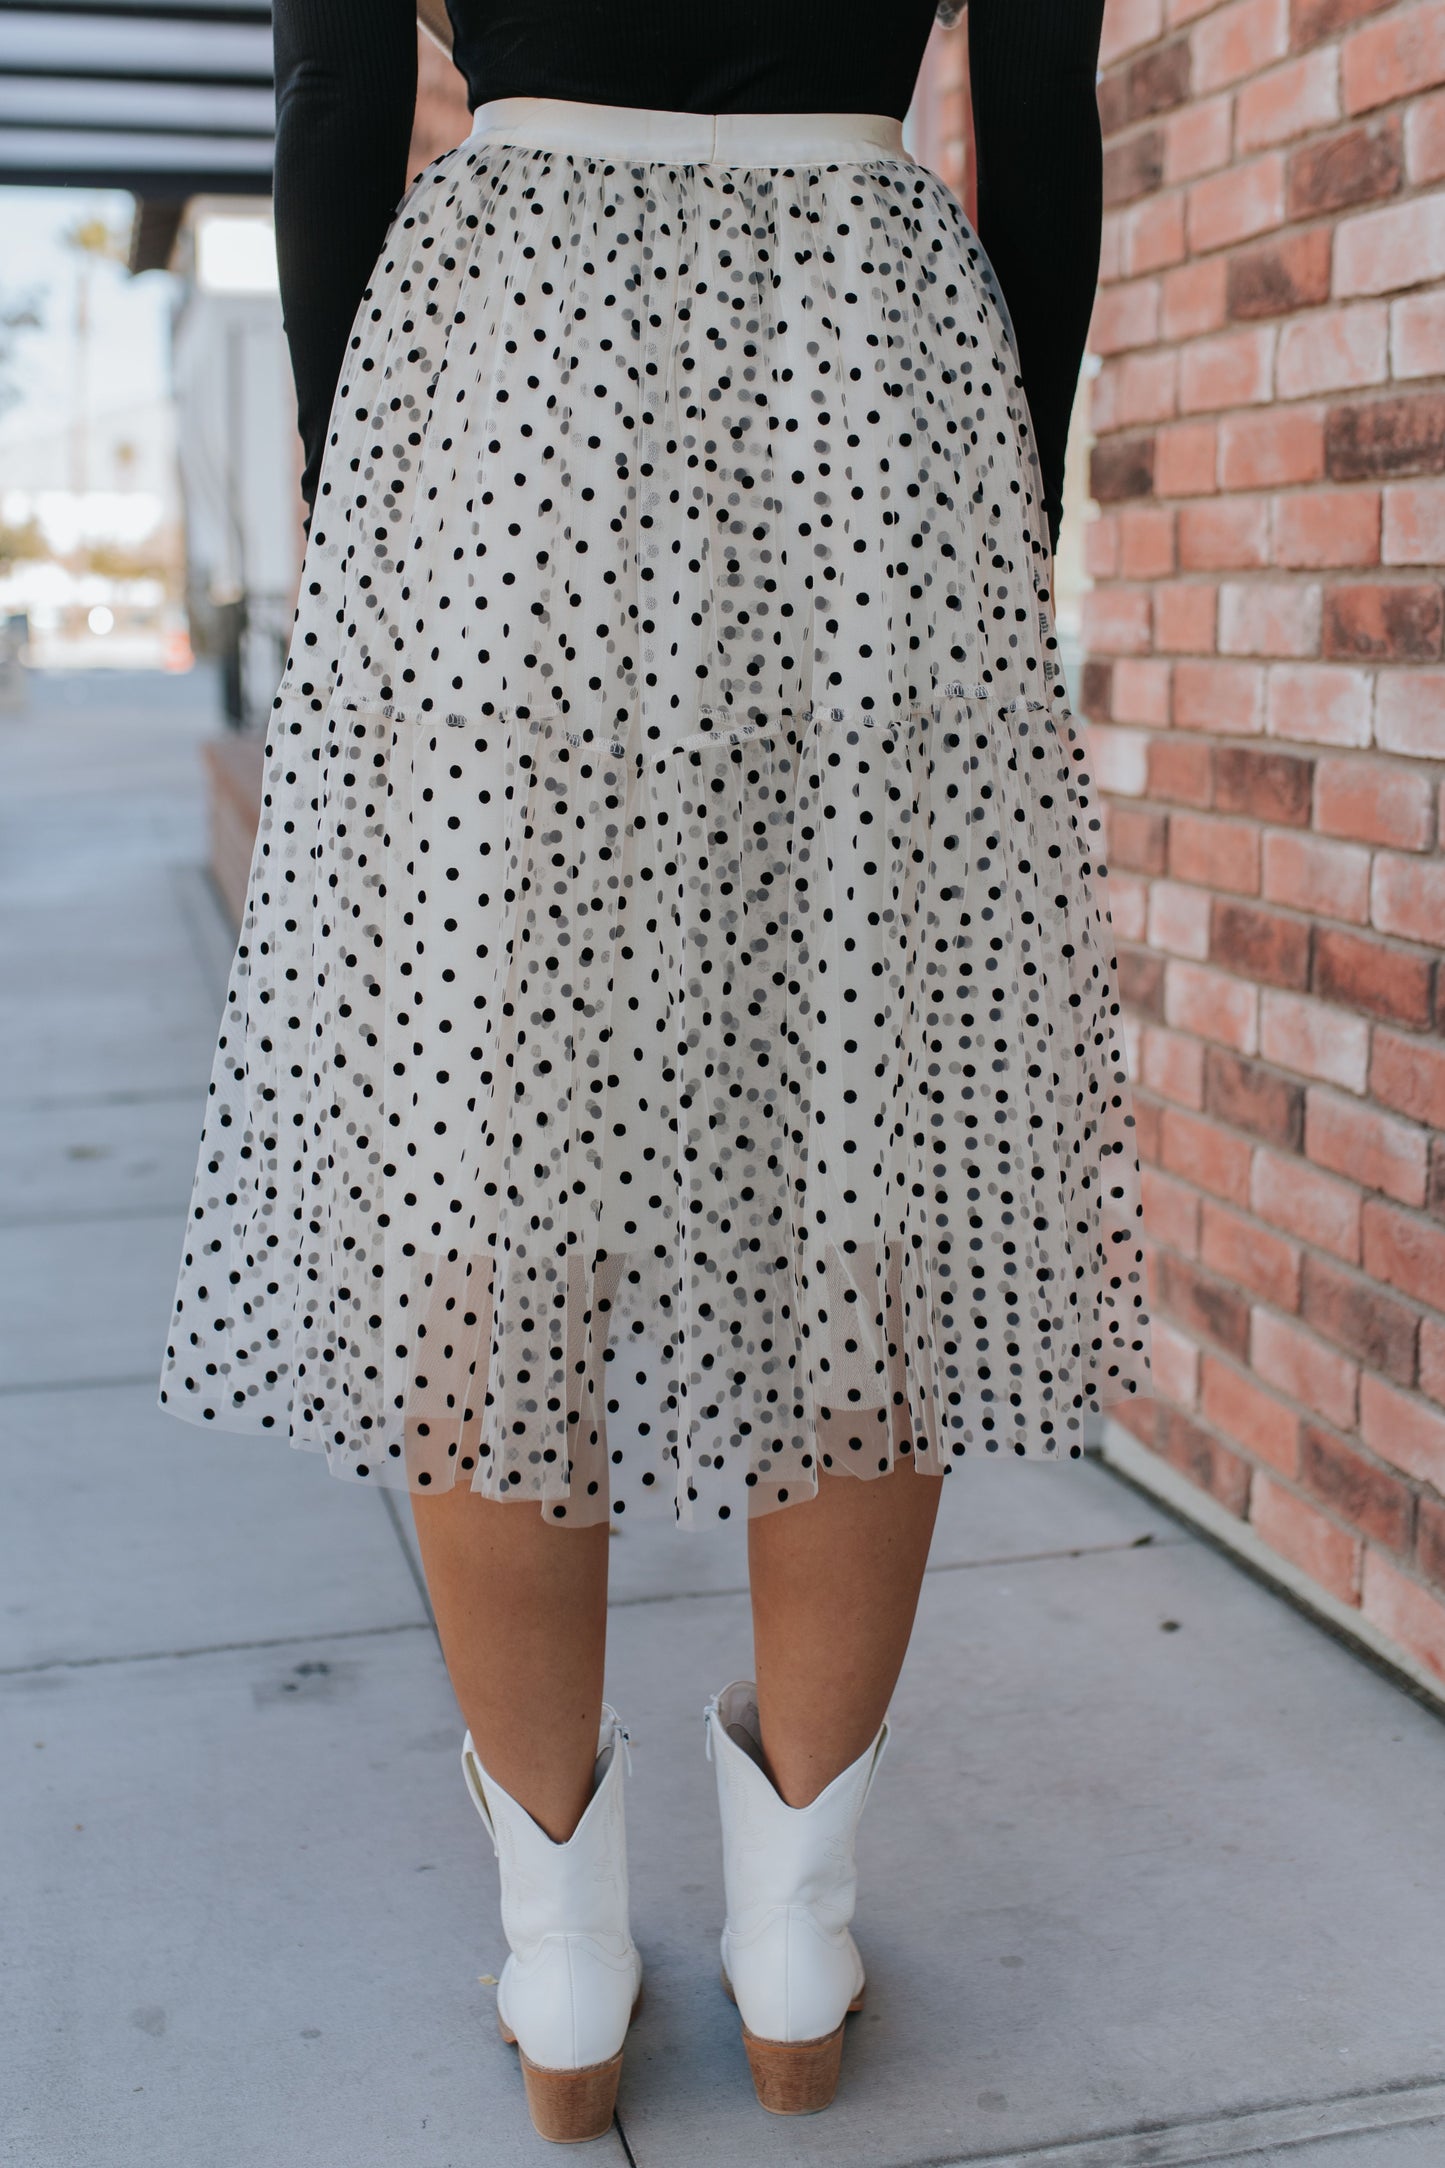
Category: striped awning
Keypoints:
(166, 98)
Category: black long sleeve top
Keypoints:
(346, 95)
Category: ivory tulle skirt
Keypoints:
(674, 1045)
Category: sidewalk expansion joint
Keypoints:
(1232, 2135)
(952, 1565)
(213, 1648)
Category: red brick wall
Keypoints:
(1267, 704)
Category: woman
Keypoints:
(673, 1057)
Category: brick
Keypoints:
(1101, 547)
(1224, 536)
(1236, 204)
(1234, 1404)
(1359, 165)
(1198, 139)
(1372, 979)
(1234, 369)
(1431, 1379)
(1213, 852)
(1145, 388)
(1417, 335)
(1374, 801)
(1170, 1210)
(1211, 1004)
(1269, 617)
(1366, 1496)
(1117, 760)
(1175, 1363)
(1116, 620)
(1425, 139)
(1125, 316)
(1317, 875)
(1260, 451)
(1210, 1466)
(1404, 1611)
(1181, 770)
(1410, 713)
(1137, 840)
(1208, 1156)
(1295, 1362)
(1179, 922)
(1141, 693)
(1184, 11)
(1394, 623)
(1327, 528)
(1386, 439)
(1359, 1319)
(1379, 252)
(1406, 1252)
(1127, 24)
(1173, 1066)
(1206, 1307)
(1185, 459)
(1288, 101)
(1324, 706)
(1311, 20)
(1158, 81)
(1333, 350)
(1407, 897)
(1152, 234)
(1414, 524)
(1377, 1150)
(1277, 277)
(1264, 946)
(1389, 60)
(1313, 1039)
(1192, 299)
(1405, 1432)
(1111, 239)
(1430, 1542)
(1184, 614)
(1227, 697)
(1410, 1077)
(1253, 1098)
(1096, 695)
(1269, 786)
(1146, 542)
(1148, 1123)
(1238, 40)
(1141, 981)
(1309, 1539)
(1128, 904)
(1134, 166)
(1121, 469)
(1316, 1207)
(1250, 1256)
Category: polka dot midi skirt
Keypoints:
(673, 1048)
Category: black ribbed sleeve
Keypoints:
(1033, 65)
(345, 101)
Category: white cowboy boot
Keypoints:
(573, 1980)
(788, 1960)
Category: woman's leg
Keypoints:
(521, 1605)
(835, 1585)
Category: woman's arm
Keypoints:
(1033, 64)
(345, 101)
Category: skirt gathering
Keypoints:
(673, 1048)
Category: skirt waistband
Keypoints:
(655, 135)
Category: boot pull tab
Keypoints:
(479, 1797)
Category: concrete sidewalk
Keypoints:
(1152, 1874)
